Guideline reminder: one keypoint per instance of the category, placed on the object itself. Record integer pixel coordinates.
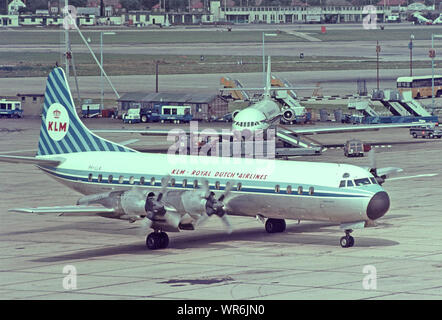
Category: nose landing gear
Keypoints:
(347, 241)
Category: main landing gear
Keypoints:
(347, 241)
(275, 225)
(157, 240)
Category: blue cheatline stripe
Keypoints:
(244, 189)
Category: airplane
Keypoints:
(169, 193)
(264, 113)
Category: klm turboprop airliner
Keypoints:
(169, 193)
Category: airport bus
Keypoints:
(420, 86)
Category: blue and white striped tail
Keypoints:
(61, 129)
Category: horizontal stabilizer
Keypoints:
(67, 210)
(31, 160)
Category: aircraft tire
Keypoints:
(275, 225)
(157, 240)
(347, 241)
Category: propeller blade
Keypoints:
(173, 219)
(206, 188)
(372, 159)
(227, 224)
(164, 184)
(226, 191)
(143, 227)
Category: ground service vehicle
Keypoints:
(354, 148)
(420, 86)
(132, 116)
(10, 109)
(430, 130)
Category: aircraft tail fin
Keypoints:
(62, 131)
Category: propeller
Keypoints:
(373, 167)
(215, 206)
(156, 207)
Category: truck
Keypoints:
(393, 18)
(166, 113)
(10, 109)
(354, 148)
(428, 130)
(132, 116)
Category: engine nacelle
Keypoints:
(235, 113)
(125, 203)
(288, 115)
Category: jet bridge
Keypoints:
(364, 106)
(239, 94)
(292, 110)
(296, 144)
(412, 106)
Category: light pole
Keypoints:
(410, 46)
(432, 56)
(263, 54)
(101, 62)
(378, 49)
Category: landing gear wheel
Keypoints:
(275, 225)
(157, 240)
(347, 241)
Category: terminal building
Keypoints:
(330, 11)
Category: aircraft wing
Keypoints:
(166, 132)
(31, 160)
(78, 210)
(353, 128)
(229, 132)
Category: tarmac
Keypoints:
(51, 257)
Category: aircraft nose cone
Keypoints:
(378, 205)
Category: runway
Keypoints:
(306, 262)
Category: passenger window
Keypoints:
(172, 182)
(142, 180)
(349, 183)
(289, 189)
(100, 177)
(342, 184)
(300, 190)
(311, 190)
(121, 179)
(152, 181)
(185, 183)
(195, 184)
(131, 180)
(239, 186)
(110, 178)
(217, 185)
(277, 188)
(89, 178)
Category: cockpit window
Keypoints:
(342, 184)
(362, 182)
(373, 180)
(349, 183)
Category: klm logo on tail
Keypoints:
(62, 130)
